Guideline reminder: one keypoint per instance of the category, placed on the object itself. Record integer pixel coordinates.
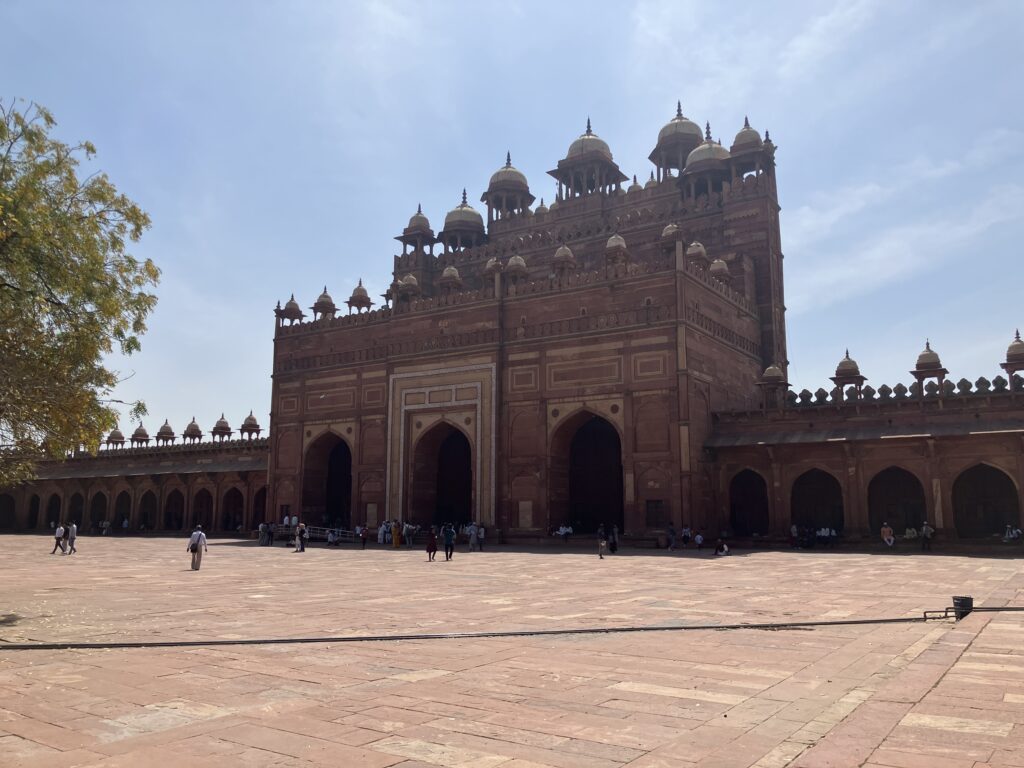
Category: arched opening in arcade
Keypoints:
(259, 507)
(985, 501)
(586, 475)
(327, 483)
(8, 520)
(232, 511)
(32, 522)
(53, 508)
(97, 510)
(896, 497)
(817, 501)
(202, 509)
(748, 504)
(122, 510)
(441, 485)
(174, 511)
(147, 511)
(76, 509)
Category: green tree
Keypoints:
(70, 293)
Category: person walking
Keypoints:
(72, 535)
(471, 535)
(431, 544)
(197, 545)
(602, 541)
(58, 539)
(926, 536)
(362, 536)
(613, 540)
(480, 537)
(448, 532)
(671, 536)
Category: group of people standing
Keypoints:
(64, 536)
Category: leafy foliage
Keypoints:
(70, 293)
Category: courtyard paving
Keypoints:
(900, 695)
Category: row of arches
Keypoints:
(985, 501)
(146, 515)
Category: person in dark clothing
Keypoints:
(431, 544)
(448, 533)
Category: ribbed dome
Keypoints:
(324, 303)
(709, 152)
(250, 421)
(928, 358)
(359, 291)
(541, 208)
(696, 250)
(1015, 352)
(719, 268)
(419, 222)
(680, 126)
(292, 310)
(166, 430)
(651, 182)
(847, 366)
(492, 266)
(670, 230)
(450, 273)
(508, 175)
(410, 279)
(221, 427)
(564, 255)
(516, 266)
(463, 216)
(773, 373)
(140, 433)
(115, 436)
(588, 142)
(193, 430)
(747, 138)
(615, 241)
(635, 186)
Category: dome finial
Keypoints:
(464, 202)
(766, 136)
(928, 344)
(847, 353)
(419, 208)
(508, 159)
(679, 109)
(360, 281)
(589, 132)
(746, 122)
(707, 130)
(1016, 336)
(634, 178)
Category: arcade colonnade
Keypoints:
(220, 503)
(967, 496)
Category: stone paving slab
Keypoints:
(898, 695)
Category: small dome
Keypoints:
(250, 421)
(747, 138)
(325, 297)
(492, 266)
(564, 255)
(928, 359)
(614, 242)
(221, 427)
(719, 268)
(709, 152)
(140, 433)
(635, 186)
(419, 222)
(516, 266)
(541, 208)
(773, 373)
(670, 230)
(166, 430)
(508, 175)
(410, 279)
(359, 291)
(115, 436)
(450, 273)
(588, 142)
(680, 126)
(193, 430)
(847, 366)
(324, 303)
(651, 182)
(463, 216)
(1015, 352)
(696, 250)
(292, 310)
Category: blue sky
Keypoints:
(281, 146)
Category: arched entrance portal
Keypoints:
(232, 511)
(895, 497)
(748, 504)
(985, 501)
(327, 483)
(817, 501)
(174, 511)
(586, 475)
(53, 511)
(97, 510)
(259, 508)
(7, 520)
(147, 511)
(202, 509)
(441, 489)
(122, 509)
(76, 509)
(33, 513)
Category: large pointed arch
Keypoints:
(985, 501)
(816, 501)
(174, 510)
(896, 497)
(586, 483)
(441, 482)
(748, 504)
(327, 482)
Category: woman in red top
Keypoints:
(431, 544)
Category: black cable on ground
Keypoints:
(76, 646)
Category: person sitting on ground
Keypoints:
(1012, 533)
(887, 535)
(794, 535)
(910, 533)
(699, 540)
(332, 539)
(721, 549)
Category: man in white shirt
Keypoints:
(197, 545)
(480, 537)
(58, 539)
(471, 534)
(72, 535)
